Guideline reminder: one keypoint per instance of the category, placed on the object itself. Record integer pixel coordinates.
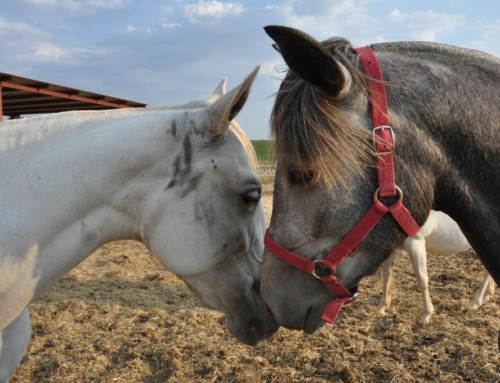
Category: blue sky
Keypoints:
(171, 52)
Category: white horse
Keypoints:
(177, 179)
(439, 235)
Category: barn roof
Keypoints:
(22, 96)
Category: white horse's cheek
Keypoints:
(173, 236)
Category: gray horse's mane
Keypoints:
(435, 49)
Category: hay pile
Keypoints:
(119, 317)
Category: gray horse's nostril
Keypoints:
(256, 286)
(268, 309)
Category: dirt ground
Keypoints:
(119, 317)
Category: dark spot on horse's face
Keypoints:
(177, 166)
(188, 153)
(171, 184)
(204, 212)
(182, 169)
(192, 184)
(173, 128)
(238, 244)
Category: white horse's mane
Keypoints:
(19, 132)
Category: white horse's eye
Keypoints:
(251, 197)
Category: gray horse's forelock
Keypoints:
(313, 134)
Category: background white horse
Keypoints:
(439, 235)
(178, 179)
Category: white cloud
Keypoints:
(271, 8)
(28, 44)
(485, 37)
(133, 29)
(211, 9)
(167, 9)
(46, 51)
(322, 19)
(106, 4)
(12, 28)
(78, 5)
(427, 25)
(25, 41)
(67, 5)
(45, 3)
(170, 26)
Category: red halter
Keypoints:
(383, 137)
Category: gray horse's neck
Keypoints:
(444, 107)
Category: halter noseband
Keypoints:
(383, 140)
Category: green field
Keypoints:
(265, 156)
(265, 151)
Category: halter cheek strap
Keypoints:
(383, 140)
(383, 136)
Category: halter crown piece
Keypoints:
(383, 141)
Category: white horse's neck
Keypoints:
(65, 195)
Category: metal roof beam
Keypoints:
(48, 92)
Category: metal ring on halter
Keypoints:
(354, 296)
(399, 192)
(319, 262)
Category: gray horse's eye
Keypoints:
(297, 177)
(251, 197)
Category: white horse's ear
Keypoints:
(218, 92)
(225, 109)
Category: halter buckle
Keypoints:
(393, 139)
(321, 269)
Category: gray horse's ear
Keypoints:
(225, 109)
(218, 92)
(276, 48)
(310, 60)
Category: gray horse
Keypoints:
(443, 106)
